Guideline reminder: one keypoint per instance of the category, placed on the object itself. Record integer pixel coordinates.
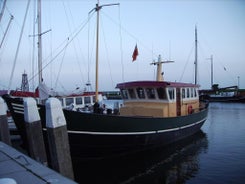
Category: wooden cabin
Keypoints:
(158, 98)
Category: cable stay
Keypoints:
(67, 10)
(61, 48)
(17, 51)
(6, 31)
(3, 8)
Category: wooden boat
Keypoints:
(155, 113)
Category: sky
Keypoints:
(158, 27)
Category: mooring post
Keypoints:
(58, 138)
(7, 181)
(34, 131)
(4, 128)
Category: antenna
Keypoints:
(159, 76)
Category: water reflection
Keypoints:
(175, 163)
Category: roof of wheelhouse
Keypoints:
(154, 84)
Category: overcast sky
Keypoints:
(157, 27)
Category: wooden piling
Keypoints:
(7, 181)
(34, 131)
(58, 138)
(4, 128)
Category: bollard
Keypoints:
(4, 128)
(7, 181)
(34, 131)
(58, 138)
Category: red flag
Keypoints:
(135, 53)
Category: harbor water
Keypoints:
(216, 155)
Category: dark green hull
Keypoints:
(98, 135)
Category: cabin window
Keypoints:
(188, 92)
(161, 93)
(79, 100)
(192, 92)
(140, 93)
(150, 93)
(87, 100)
(171, 93)
(94, 100)
(69, 101)
(183, 93)
(196, 92)
(131, 93)
(124, 94)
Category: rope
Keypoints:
(71, 38)
(121, 47)
(90, 53)
(131, 35)
(75, 48)
(60, 66)
(107, 55)
(17, 51)
(34, 44)
(186, 63)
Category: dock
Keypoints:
(22, 169)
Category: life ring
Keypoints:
(189, 109)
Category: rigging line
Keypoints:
(3, 8)
(6, 31)
(130, 34)
(121, 47)
(79, 46)
(88, 48)
(17, 51)
(187, 61)
(73, 43)
(62, 60)
(62, 49)
(91, 53)
(218, 60)
(107, 55)
(64, 90)
(221, 65)
(33, 44)
(3, 44)
(50, 37)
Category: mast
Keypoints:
(212, 71)
(39, 17)
(97, 9)
(159, 75)
(195, 55)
